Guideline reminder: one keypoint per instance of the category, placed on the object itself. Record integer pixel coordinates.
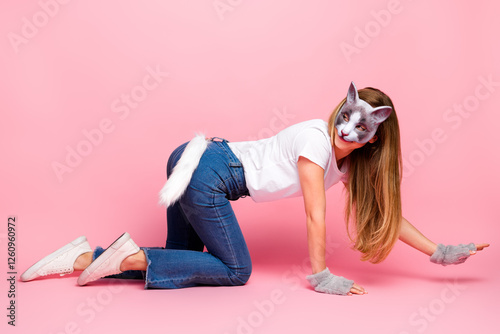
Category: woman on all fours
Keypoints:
(359, 146)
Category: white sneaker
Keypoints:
(108, 263)
(59, 262)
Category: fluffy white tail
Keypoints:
(179, 180)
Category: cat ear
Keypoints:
(352, 94)
(380, 114)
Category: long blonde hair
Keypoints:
(373, 195)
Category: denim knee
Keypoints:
(241, 279)
(241, 276)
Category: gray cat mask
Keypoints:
(357, 120)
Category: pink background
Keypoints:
(245, 72)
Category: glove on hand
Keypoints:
(326, 282)
(450, 254)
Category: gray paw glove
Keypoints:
(326, 282)
(446, 255)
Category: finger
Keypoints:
(481, 246)
(358, 290)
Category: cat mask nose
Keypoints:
(356, 115)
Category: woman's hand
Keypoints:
(357, 290)
(450, 254)
(326, 282)
(479, 247)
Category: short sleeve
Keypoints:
(311, 143)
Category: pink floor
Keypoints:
(407, 293)
(275, 300)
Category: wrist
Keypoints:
(432, 249)
(318, 277)
(318, 268)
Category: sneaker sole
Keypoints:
(27, 275)
(82, 279)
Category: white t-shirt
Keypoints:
(270, 164)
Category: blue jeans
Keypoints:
(201, 217)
